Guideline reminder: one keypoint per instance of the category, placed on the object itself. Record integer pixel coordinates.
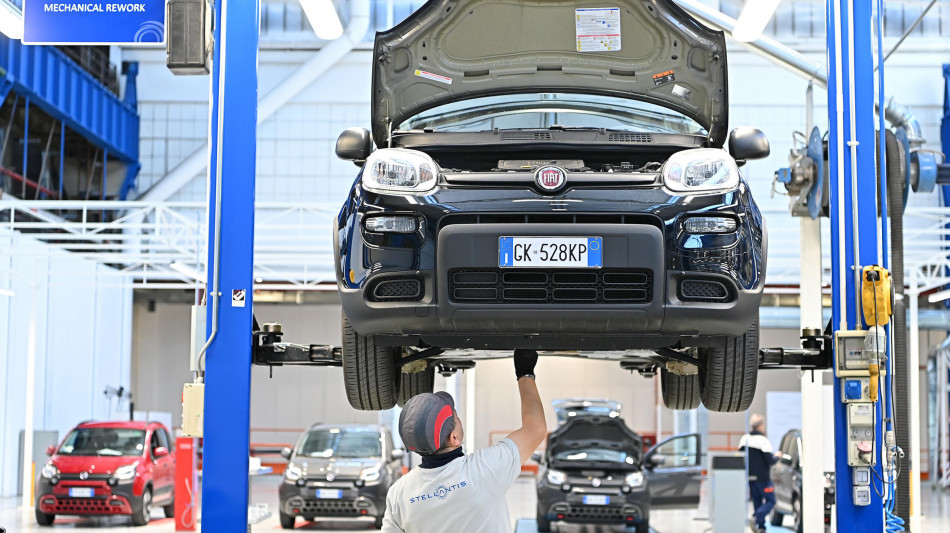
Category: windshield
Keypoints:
(104, 441)
(547, 110)
(595, 454)
(340, 443)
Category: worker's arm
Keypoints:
(533, 427)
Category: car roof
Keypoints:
(117, 424)
(347, 427)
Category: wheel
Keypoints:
(44, 519)
(679, 392)
(379, 522)
(544, 525)
(643, 527)
(798, 525)
(145, 511)
(415, 383)
(169, 509)
(727, 382)
(369, 371)
(775, 517)
(287, 520)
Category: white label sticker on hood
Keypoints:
(433, 77)
(597, 30)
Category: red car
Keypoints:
(108, 468)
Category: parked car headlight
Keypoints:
(292, 472)
(370, 474)
(700, 169)
(634, 479)
(125, 473)
(49, 471)
(398, 170)
(829, 480)
(556, 477)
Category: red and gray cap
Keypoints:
(426, 421)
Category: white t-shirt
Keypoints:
(467, 494)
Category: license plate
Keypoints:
(556, 252)
(596, 500)
(81, 492)
(329, 494)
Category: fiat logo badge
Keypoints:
(84, 475)
(550, 178)
(330, 477)
(595, 482)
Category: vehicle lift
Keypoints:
(233, 344)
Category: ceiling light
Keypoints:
(939, 296)
(7, 292)
(755, 15)
(11, 20)
(323, 18)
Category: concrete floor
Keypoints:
(521, 503)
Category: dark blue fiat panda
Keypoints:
(551, 176)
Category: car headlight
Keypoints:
(371, 474)
(700, 169)
(829, 481)
(398, 170)
(292, 472)
(556, 477)
(634, 479)
(125, 473)
(49, 471)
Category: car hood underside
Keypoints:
(595, 431)
(451, 50)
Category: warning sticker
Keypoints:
(238, 297)
(682, 92)
(433, 77)
(663, 77)
(597, 29)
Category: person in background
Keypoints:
(760, 459)
(451, 491)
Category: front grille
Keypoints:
(594, 513)
(90, 477)
(526, 136)
(553, 218)
(330, 508)
(630, 137)
(527, 286)
(703, 290)
(392, 290)
(85, 505)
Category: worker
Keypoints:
(760, 459)
(451, 491)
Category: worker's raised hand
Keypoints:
(524, 362)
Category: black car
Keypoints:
(339, 472)
(787, 478)
(536, 185)
(594, 471)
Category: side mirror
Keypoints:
(536, 457)
(656, 460)
(748, 143)
(160, 452)
(50, 450)
(354, 144)
(286, 452)
(786, 459)
(398, 454)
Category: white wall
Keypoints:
(82, 323)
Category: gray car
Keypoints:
(339, 471)
(594, 471)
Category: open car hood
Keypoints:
(595, 431)
(452, 50)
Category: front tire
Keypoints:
(544, 525)
(415, 383)
(369, 370)
(144, 513)
(679, 392)
(44, 519)
(729, 377)
(286, 520)
(776, 518)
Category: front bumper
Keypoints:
(648, 242)
(355, 502)
(106, 500)
(629, 509)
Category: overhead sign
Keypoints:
(99, 22)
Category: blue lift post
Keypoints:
(227, 366)
(852, 205)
